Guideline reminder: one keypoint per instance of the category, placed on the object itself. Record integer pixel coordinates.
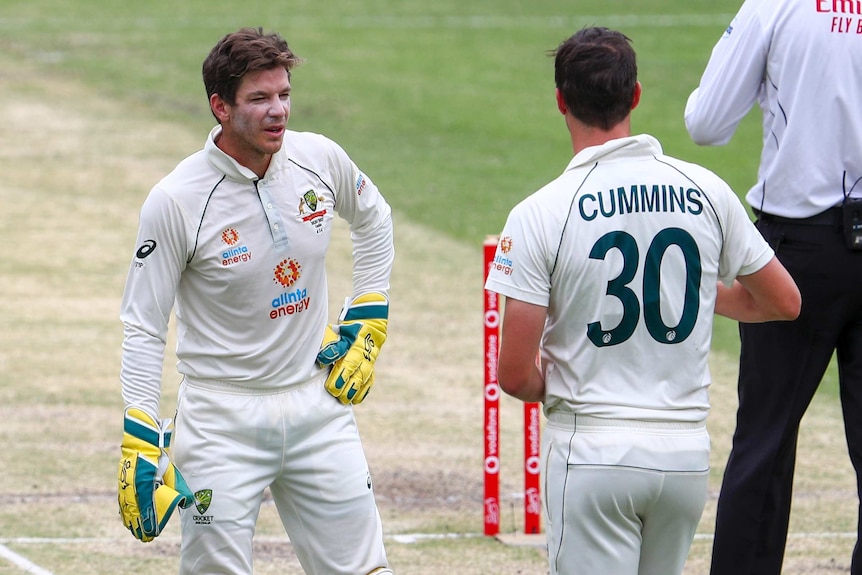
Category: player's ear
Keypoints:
(220, 108)
(561, 102)
(636, 99)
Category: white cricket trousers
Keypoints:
(231, 443)
(622, 497)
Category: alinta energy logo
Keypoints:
(361, 184)
(501, 262)
(286, 274)
(235, 253)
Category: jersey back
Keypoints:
(625, 251)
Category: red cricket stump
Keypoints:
(532, 457)
(492, 400)
(532, 465)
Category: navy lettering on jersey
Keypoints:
(640, 198)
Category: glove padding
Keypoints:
(150, 487)
(352, 346)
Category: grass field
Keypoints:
(448, 106)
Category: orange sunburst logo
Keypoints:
(287, 272)
(505, 244)
(230, 236)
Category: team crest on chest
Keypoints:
(311, 210)
(310, 199)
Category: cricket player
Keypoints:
(234, 240)
(612, 272)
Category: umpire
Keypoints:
(802, 62)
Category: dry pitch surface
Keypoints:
(74, 168)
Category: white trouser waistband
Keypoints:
(573, 420)
(251, 389)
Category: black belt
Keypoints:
(831, 217)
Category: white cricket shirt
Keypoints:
(241, 259)
(802, 61)
(624, 249)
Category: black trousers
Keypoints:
(780, 367)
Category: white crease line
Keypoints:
(410, 538)
(22, 562)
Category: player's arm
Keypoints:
(148, 297)
(731, 80)
(351, 346)
(517, 371)
(768, 294)
(150, 488)
(363, 207)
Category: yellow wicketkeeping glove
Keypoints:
(352, 345)
(150, 487)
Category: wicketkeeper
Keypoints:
(234, 241)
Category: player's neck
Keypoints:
(584, 136)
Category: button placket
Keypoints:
(273, 216)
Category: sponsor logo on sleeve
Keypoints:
(146, 249)
(501, 262)
(361, 184)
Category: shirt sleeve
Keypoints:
(744, 251)
(148, 298)
(369, 215)
(521, 266)
(732, 79)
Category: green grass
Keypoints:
(448, 105)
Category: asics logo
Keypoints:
(146, 249)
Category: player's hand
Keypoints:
(352, 346)
(150, 487)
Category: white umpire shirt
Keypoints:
(802, 61)
(242, 260)
(624, 249)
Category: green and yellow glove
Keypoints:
(150, 487)
(352, 346)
